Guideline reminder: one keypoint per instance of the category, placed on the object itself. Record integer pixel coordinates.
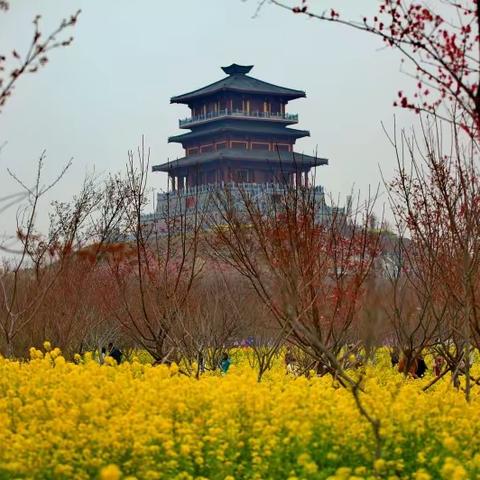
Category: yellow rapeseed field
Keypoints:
(62, 420)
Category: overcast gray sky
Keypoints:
(95, 99)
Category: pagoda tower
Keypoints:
(238, 134)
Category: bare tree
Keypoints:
(435, 195)
(311, 275)
(155, 278)
(265, 337)
(211, 325)
(14, 66)
(26, 279)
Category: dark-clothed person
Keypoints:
(115, 353)
(225, 363)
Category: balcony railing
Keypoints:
(289, 117)
(250, 188)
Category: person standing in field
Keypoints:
(437, 366)
(290, 361)
(225, 363)
(103, 354)
(201, 363)
(115, 353)
(421, 366)
(394, 356)
(410, 362)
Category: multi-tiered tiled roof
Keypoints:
(239, 132)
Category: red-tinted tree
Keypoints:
(435, 197)
(311, 275)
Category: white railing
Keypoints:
(250, 188)
(177, 201)
(290, 117)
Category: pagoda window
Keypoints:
(256, 106)
(206, 148)
(275, 107)
(211, 177)
(223, 104)
(221, 145)
(260, 146)
(211, 107)
(239, 145)
(242, 176)
(283, 147)
(237, 105)
(199, 178)
(282, 177)
(245, 175)
(192, 150)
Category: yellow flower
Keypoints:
(47, 345)
(111, 362)
(452, 470)
(450, 443)
(460, 473)
(55, 352)
(63, 470)
(154, 419)
(110, 472)
(185, 449)
(380, 465)
(343, 473)
(307, 463)
(360, 471)
(35, 354)
(421, 475)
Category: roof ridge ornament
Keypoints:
(235, 69)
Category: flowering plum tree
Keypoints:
(36, 56)
(440, 46)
